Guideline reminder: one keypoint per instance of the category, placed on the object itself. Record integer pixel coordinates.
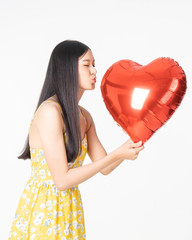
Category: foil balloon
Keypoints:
(141, 98)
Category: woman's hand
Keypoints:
(130, 150)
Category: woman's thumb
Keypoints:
(138, 144)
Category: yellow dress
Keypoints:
(45, 212)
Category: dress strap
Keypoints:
(84, 117)
(55, 102)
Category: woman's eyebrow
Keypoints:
(88, 60)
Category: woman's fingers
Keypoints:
(136, 145)
(138, 149)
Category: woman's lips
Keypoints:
(94, 80)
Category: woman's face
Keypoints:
(87, 71)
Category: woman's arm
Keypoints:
(78, 175)
(112, 166)
(95, 149)
(50, 131)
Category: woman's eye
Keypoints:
(88, 65)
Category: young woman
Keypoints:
(61, 133)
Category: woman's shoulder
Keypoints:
(88, 116)
(49, 111)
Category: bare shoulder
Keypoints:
(88, 117)
(49, 114)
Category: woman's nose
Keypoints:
(94, 71)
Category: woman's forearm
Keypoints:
(112, 166)
(75, 176)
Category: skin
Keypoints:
(49, 117)
(87, 72)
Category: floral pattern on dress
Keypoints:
(45, 212)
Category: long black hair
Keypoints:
(62, 79)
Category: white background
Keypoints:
(146, 199)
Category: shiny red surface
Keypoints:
(165, 81)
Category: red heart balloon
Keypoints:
(142, 98)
